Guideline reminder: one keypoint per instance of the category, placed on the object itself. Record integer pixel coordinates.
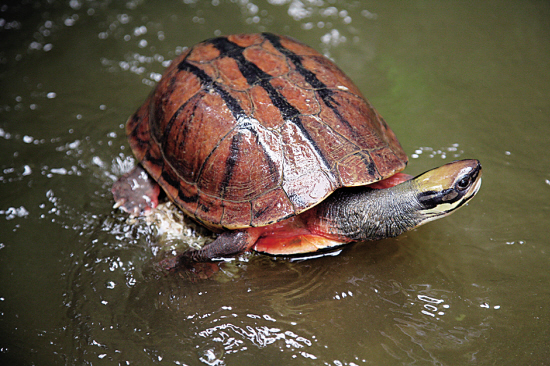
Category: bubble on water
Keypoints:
(345, 17)
(13, 212)
(120, 165)
(35, 45)
(520, 242)
(451, 151)
(367, 14)
(123, 18)
(96, 160)
(5, 134)
(14, 24)
(297, 10)
(333, 38)
(138, 31)
(75, 4)
(155, 76)
(60, 171)
(212, 356)
(330, 11)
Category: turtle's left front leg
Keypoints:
(226, 244)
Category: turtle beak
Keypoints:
(443, 190)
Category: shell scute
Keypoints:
(304, 100)
(230, 75)
(335, 146)
(227, 172)
(293, 46)
(270, 62)
(235, 212)
(342, 112)
(357, 167)
(202, 53)
(267, 114)
(329, 75)
(270, 205)
(209, 210)
(246, 40)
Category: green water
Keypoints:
(455, 80)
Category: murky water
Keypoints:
(79, 283)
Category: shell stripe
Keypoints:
(321, 89)
(309, 76)
(256, 76)
(230, 102)
(208, 83)
(168, 128)
(239, 115)
(230, 163)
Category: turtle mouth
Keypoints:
(475, 188)
(470, 192)
(468, 196)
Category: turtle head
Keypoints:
(358, 214)
(442, 190)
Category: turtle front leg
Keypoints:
(226, 244)
(136, 192)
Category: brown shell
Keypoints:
(249, 129)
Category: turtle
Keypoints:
(264, 140)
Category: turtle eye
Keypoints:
(463, 183)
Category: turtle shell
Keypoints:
(250, 129)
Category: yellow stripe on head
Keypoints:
(444, 189)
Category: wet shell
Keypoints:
(250, 129)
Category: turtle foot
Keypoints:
(136, 192)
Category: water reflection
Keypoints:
(80, 283)
(288, 310)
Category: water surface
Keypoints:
(453, 79)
